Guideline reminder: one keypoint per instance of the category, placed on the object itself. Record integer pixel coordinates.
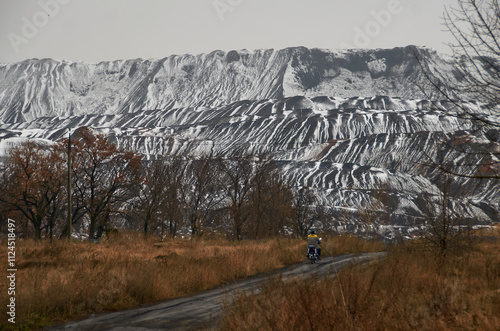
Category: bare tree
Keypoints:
(32, 185)
(278, 209)
(475, 26)
(375, 210)
(270, 201)
(259, 224)
(235, 180)
(148, 196)
(446, 223)
(174, 194)
(203, 193)
(302, 218)
(102, 176)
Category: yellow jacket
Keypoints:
(312, 240)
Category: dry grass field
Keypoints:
(410, 290)
(59, 281)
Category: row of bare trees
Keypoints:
(243, 197)
(34, 190)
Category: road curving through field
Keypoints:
(201, 311)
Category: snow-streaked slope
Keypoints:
(343, 148)
(36, 88)
(344, 124)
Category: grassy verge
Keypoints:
(410, 290)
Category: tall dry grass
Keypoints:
(410, 290)
(60, 281)
(343, 244)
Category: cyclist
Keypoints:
(313, 240)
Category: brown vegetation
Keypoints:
(31, 187)
(244, 197)
(60, 280)
(410, 290)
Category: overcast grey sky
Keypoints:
(96, 30)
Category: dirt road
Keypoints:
(201, 311)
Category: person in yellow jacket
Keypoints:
(313, 240)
